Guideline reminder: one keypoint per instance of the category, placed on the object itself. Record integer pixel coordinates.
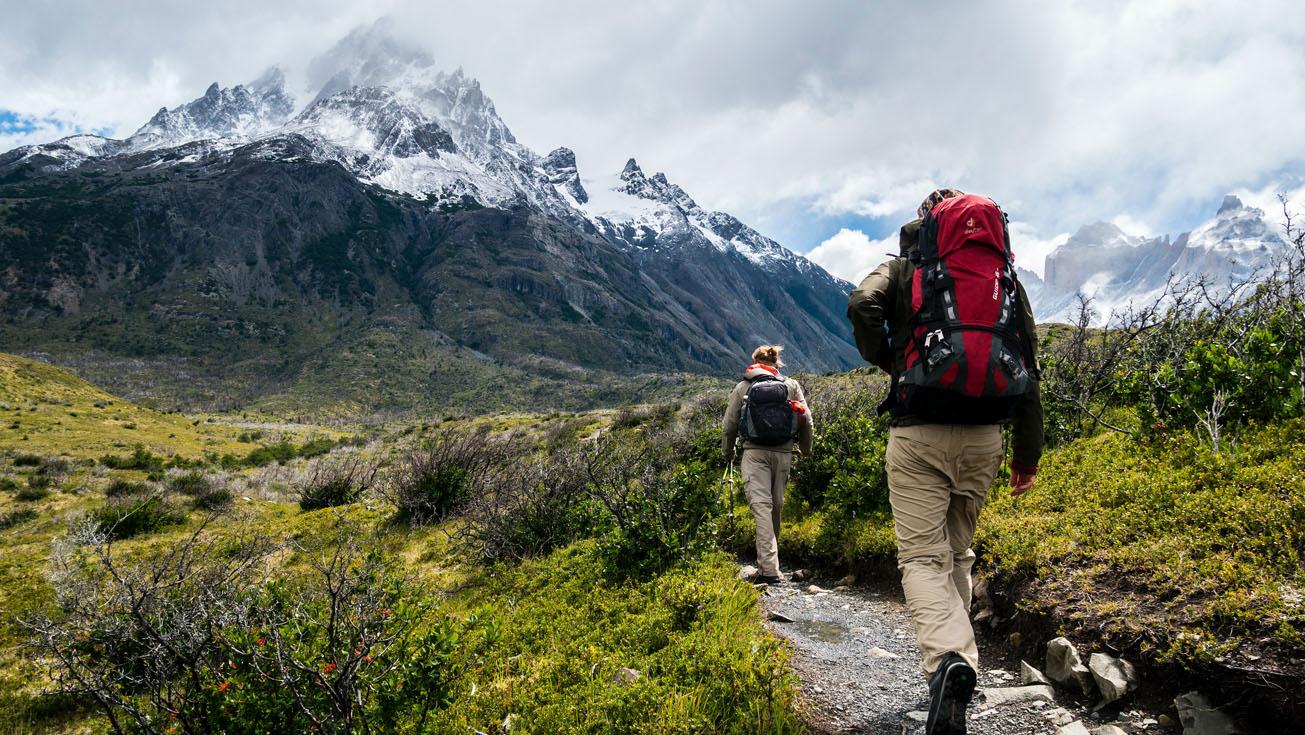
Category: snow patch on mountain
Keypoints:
(240, 112)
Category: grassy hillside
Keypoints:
(48, 411)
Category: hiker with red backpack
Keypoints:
(769, 413)
(950, 322)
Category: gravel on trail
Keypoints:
(855, 655)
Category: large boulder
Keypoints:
(1064, 665)
(1115, 677)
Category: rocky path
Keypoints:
(854, 652)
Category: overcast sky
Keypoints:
(820, 123)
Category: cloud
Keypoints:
(1065, 113)
(1030, 249)
(852, 254)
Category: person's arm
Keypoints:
(1027, 435)
(868, 308)
(806, 427)
(730, 424)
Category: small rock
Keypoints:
(917, 716)
(1059, 716)
(797, 575)
(847, 581)
(1064, 665)
(779, 617)
(626, 675)
(1165, 721)
(748, 572)
(1030, 675)
(877, 652)
(1074, 728)
(1200, 717)
(1115, 677)
(842, 588)
(508, 721)
(814, 589)
(998, 696)
(1110, 730)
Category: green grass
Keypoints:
(706, 664)
(1203, 552)
(45, 410)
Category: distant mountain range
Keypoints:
(1115, 269)
(385, 244)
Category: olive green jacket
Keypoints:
(884, 297)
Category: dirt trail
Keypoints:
(855, 654)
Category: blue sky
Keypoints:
(806, 120)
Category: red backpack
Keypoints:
(968, 358)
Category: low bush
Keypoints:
(118, 488)
(139, 459)
(435, 478)
(130, 516)
(197, 638)
(16, 517)
(660, 510)
(538, 505)
(337, 480)
(189, 482)
(26, 460)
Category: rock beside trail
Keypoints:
(1199, 717)
(1030, 675)
(1074, 728)
(1064, 665)
(1110, 730)
(1114, 677)
(748, 572)
(626, 675)
(1000, 696)
(847, 581)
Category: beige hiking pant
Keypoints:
(765, 474)
(938, 479)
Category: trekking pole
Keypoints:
(727, 482)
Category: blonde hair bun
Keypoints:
(768, 355)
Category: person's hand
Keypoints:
(1021, 481)
(729, 459)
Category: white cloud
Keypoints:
(1030, 249)
(1065, 113)
(852, 254)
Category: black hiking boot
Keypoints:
(950, 690)
(766, 579)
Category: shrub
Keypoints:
(139, 459)
(537, 505)
(26, 460)
(845, 471)
(126, 517)
(119, 487)
(35, 491)
(190, 482)
(16, 517)
(660, 512)
(336, 481)
(180, 640)
(434, 479)
(8, 485)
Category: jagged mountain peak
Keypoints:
(560, 169)
(241, 112)
(1231, 203)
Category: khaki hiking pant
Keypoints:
(938, 479)
(765, 474)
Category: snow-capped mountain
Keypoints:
(233, 114)
(1116, 269)
(388, 196)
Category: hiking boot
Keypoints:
(766, 579)
(950, 690)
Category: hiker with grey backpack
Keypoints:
(768, 415)
(950, 322)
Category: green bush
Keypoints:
(435, 478)
(16, 517)
(26, 460)
(119, 487)
(192, 482)
(126, 517)
(139, 459)
(336, 481)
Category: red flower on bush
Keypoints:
(262, 642)
(224, 686)
(328, 668)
